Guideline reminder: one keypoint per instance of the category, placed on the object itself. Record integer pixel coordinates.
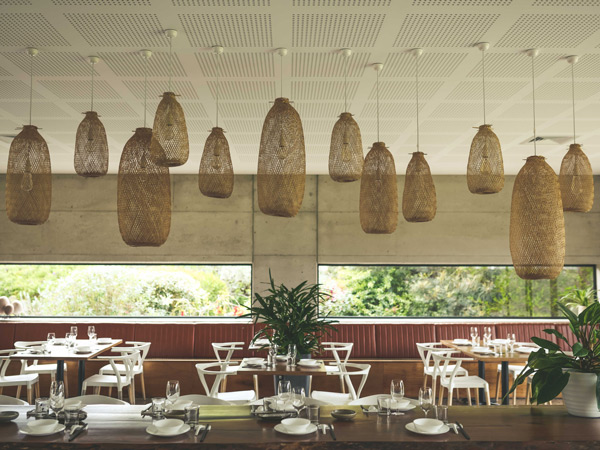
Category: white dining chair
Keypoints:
(138, 368)
(513, 370)
(425, 350)
(29, 379)
(215, 369)
(448, 378)
(341, 354)
(347, 371)
(94, 400)
(40, 369)
(199, 399)
(6, 400)
(119, 379)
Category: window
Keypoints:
(446, 291)
(128, 289)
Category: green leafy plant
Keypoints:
(576, 298)
(291, 316)
(550, 365)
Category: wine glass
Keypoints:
(397, 394)
(57, 396)
(51, 338)
(291, 354)
(425, 400)
(298, 399)
(474, 335)
(172, 391)
(92, 332)
(511, 339)
(284, 390)
(487, 335)
(74, 331)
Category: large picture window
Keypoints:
(128, 289)
(448, 291)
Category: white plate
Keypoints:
(282, 429)
(104, 341)
(499, 341)
(309, 364)
(526, 349)
(154, 432)
(461, 342)
(482, 350)
(26, 430)
(406, 408)
(411, 427)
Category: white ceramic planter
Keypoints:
(579, 395)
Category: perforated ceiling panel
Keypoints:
(314, 31)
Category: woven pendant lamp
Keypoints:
(281, 174)
(345, 153)
(537, 227)
(419, 200)
(170, 145)
(91, 145)
(576, 177)
(378, 207)
(215, 177)
(485, 169)
(28, 173)
(143, 190)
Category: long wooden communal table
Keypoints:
(504, 360)
(490, 428)
(62, 353)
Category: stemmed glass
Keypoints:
(57, 396)
(74, 331)
(51, 338)
(284, 390)
(172, 392)
(70, 338)
(425, 400)
(291, 354)
(487, 335)
(92, 333)
(474, 335)
(511, 340)
(397, 394)
(298, 399)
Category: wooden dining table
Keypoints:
(503, 359)
(62, 353)
(489, 428)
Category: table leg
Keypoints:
(481, 373)
(80, 375)
(60, 370)
(504, 376)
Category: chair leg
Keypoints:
(110, 392)
(497, 386)
(2, 389)
(450, 391)
(37, 390)
(441, 395)
(66, 383)
(143, 383)
(528, 394)
(255, 380)
(131, 391)
(120, 394)
(477, 399)
(433, 386)
(342, 385)
(18, 391)
(224, 384)
(469, 395)
(29, 395)
(424, 381)
(458, 395)
(487, 395)
(515, 397)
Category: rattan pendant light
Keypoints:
(170, 145)
(215, 177)
(91, 145)
(378, 208)
(485, 169)
(419, 201)
(281, 174)
(576, 177)
(537, 227)
(28, 173)
(143, 189)
(345, 153)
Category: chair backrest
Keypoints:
(340, 350)
(128, 360)
(359, 370)
(143, 347)
(5, 360)
(425, 349)
(441, 361)
(224, 350)
(198, 399)
(6, 400)
(94, 400)
(24, 345)
(211, 369)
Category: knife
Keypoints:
(205, 432)
(332, 433)
(462, 430)
(78, 431)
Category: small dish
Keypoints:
(428, 425)
(167, 426)
(481, 350)
(83, 349)
(343, 414)
(155, 432)
(42, 425)
(28, 431)
(308, 362)
(104, 341)
(411, 427)
(461, 342)
(280, 428)
(526, 349)
(255, 361)
(296, 425)
(7, 416)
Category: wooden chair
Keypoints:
(138, 368)
(341, 353)
(216, 369)
(449, 379)
(341, 398)
(425, 350)
(119, 379)
(29, 379)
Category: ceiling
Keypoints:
(66, 31)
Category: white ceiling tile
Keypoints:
(322, 90)
(436, 65)
(336, 30)
(342, 3)
(495, 90)
(29, 29)
(228, 30)
(238, 64)
(131, 64)
(313, 65)
(514, 65)
(243, 90)
(404, 90)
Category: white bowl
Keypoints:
(84, 349)
(104, 340)
(42, 425)
(255, 361)
(399, 404)
(168, 425)
(296, 425)
(428, 425)
(308, 362)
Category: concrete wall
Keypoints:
(468, 229)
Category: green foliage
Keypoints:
(291, 316)
(550, 366)
(575, 298)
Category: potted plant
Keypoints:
(575, 373)
(291, 317)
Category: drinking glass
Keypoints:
(192, 415)
(42, 406)
(92, 333)
(441, 413)
(172, 391)
(511, 339)
(383, 405)
(51, 338)
(474, 335)
(397, 393)
(284, 391)
(487, 335)
(291, 354)
(57, 396)
(71, 415)
(425, 400)
(298, 399)
(158, 408)
(74, 331)
(313, 414)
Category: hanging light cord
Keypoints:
(30, 88)
(346, 87)
(573, 95)
(533, 95)
(417, 91)
(217, 96)
(170, 61)
(483, 78)
(92, 106)
(145, 87)
(378, 106)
